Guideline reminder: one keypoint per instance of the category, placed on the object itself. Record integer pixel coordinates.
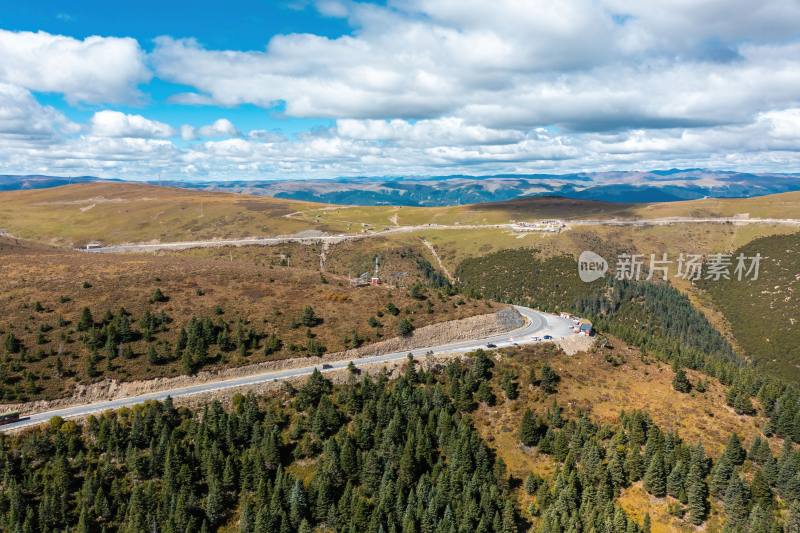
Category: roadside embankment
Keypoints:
(476, 327)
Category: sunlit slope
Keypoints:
(354, 218)
(784, 205)
(121, 212)
(126, 212)
(380, 217)
(765, 313)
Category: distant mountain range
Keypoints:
(622, 186)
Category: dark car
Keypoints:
(548, 337)
(491, 345)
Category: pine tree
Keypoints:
(696, 494)
(272, 344)
(297, 504)
(215, 503)
(734, 451)
(86, 320)
(675, 480)
(680, 382)
(405, 327)
(760, 521)
(309, 318)
(721, 475)
(152, 355)
(633, 465)
(529, 429)
(736, 504)
(761, 492)
(549, 380)
(509, 384)
(531, 484)
(187, 363)
(655, 480)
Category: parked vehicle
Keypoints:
(9, 418)
(548, 337)
(491, 345)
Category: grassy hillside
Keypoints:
(242, 300)
(765, 314)
(650, 315)
(783, 205)
(786, 205)
(474, 445)
(126, 212)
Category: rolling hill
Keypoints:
(621, 186)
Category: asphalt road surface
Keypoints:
(536, 327)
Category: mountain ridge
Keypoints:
(653, 186)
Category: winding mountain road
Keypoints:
(537, 325)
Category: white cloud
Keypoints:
(115, 124)
(187, 132)
(219, 128)
(23, 118)
(581, 65)
(447, 130)
(432, 86)
(95, 69)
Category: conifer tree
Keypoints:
(736, 504)
(646, 525)
(680, 382)
(86, 320)
(529, 429)
(655, 480)
(696, 494)
(549, 380)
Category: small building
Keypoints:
(374, 281)
(585, 328)
(361, 281)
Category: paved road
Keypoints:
(333, 239)
(537, 325)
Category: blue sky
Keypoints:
(229, 25)
(323, 88)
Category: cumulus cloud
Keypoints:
(23, 118)
(219, 128)
(584, 65)
(446, 130)
(433, 86)
(115, 124)
(95, 69)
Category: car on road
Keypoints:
(491, 345)
(326, 366)
(536, 339)
(548, 337)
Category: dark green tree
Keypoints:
(680, 382)
(655, 479)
